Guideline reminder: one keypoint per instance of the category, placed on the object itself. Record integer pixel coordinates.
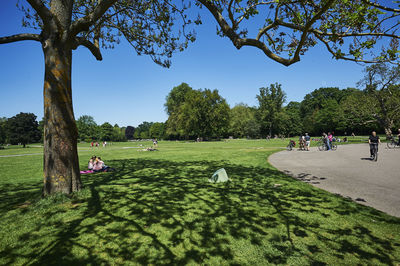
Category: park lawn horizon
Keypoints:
(159, 208)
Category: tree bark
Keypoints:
(61, 164)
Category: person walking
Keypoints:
(326, 141)
(308, 141)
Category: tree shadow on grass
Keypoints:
(166, 212)
(18, 195)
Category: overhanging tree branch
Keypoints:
(43, 12)
(93, 47)
(305, 22)
(239, 42)
(85, 22)
(380, 6)
(20, 37)
(340, 56)
(308, 26)
(335, 34)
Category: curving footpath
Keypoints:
(348, 172)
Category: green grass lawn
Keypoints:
(159, 208)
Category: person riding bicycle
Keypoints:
(398, 135)
(326, 141)
(373, 141)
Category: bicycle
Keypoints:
(374, 152)
(393, 143)
(323, 147)
(290, 146)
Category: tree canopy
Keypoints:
(150, 27)
(270, 103)
(196, 113)
(243, 122)
(129, 131)
(285, 30)
(23, 128)
(3, 134)
(381, 99)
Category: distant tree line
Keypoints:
(205, 114)
(374, 105)
(20, 129)
(89, 131)
(23, 128)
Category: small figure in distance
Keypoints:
(373, 141)
(326, 141)
(301, 141)
(155, 143)
(330, 139)
(308, 141)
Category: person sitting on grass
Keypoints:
(91, 162)
(99, 166)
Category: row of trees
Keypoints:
(375, 106)
(20, 129)
(204, 113)
(89, 131)
(24, 128)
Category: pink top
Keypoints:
(330, 137)
(98, 165)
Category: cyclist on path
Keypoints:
(373, 141)
(398, 135)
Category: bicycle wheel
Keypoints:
(334, 147)
(289, 147)
(321, 146)
(391, 144)
(376, 156)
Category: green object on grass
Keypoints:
(219, 176)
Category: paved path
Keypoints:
(348, 172)
(18, 155)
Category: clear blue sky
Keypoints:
(128, 89)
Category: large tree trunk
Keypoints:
(61, 164)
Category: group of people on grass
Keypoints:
(96, 144)
(95, 165)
